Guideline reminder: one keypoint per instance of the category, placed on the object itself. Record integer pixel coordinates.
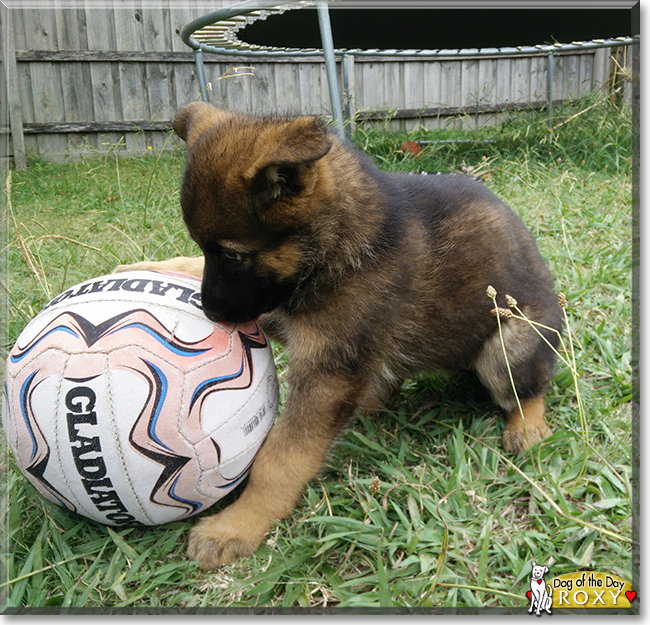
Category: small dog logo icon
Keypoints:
(540, 593)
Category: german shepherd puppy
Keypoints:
(366, 277)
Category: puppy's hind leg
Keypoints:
(530, 360)
(525, 426)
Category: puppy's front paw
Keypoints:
(226, 536)
(182, 264)
(142, 266)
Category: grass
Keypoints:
(418, 506)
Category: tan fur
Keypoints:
(181, 264)
(284, 260)
(367, 279)
(522, 432)
(291, 455)
(194, 121)
(491, 364)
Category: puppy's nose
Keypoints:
(211, 303)
(211, 315)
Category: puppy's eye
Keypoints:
(234, 258)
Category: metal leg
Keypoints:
(200, 73)
(549, 88)
(347, 95)
(330, 67)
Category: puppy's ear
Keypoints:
(286, 180)
(301, 140)
(289, 165)
(196, 118)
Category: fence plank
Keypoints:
(487, 75)
(538, 68)
(105, 77)
(504, 81)
(450, 89)
(310, 87)
(521, 79)
(133, 82)
(432, 80)
(601, 73)
(325, 106)
(469, 89)
(558, 77)
(571, 86)
(414, 87)
(287, 88)
(47, 86)
(394, 84)
(585, 71)
(183, 76)
(373, 85)
(77, 106)
(24, 81)
(349, 94)
(15, 114)
(157, 74)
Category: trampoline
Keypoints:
(216, 33)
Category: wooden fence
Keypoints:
(87, 79)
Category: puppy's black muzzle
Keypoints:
(238, 297)
(218, 308)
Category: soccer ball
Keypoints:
(122, 402)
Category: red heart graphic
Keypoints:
(529, 594)
(539, 581)
(630, 594)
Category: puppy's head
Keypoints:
(250, 188)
